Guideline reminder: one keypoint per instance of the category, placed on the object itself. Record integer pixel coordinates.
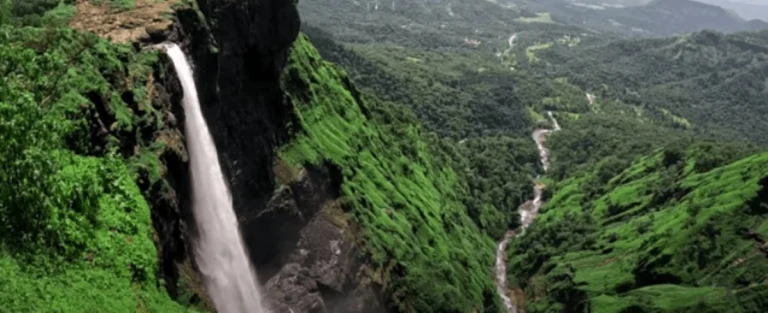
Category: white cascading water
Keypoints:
(528, 212)
(554, 121)
(539, 136)
(219, 250)
(500, 271)
(511, 40)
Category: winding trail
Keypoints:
(528, 212)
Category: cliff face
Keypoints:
(306, 258)
(238, 52)
(321, 271)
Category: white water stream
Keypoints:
(511, 40)
(528, 212)
(219, 250)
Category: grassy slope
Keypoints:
(405, 199)
(76, 229)
(659, 237)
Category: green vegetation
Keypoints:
(445, 89)
(595, 137)
(54, 13)
(404, 195)
(118, 4)
(77, 123)
(49, 13)
(498, 182)
(676, 231)
(643, 214)
(497, 158)
(530, 52)
(707, 82)
(626, 229)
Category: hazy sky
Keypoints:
(718, 2)
(762, 2)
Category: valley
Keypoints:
(624, 100)
(383, 156)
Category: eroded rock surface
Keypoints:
(319, 271)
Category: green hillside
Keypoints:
(670, 233)
(416, 231)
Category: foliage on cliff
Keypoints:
(53, 13)
(406, 199)
(36, 12)
(676, 231)
(78, 129)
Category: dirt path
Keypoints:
(123, 25)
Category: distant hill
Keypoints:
(657, 18)
(429, 23)
(609, 3)
(757, 24)
(746, 10)
(673, 17)
(441, 23)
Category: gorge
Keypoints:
(528, 212)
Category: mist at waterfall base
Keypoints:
(219, 250)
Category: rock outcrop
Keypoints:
(320, 272)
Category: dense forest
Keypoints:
(706, 81)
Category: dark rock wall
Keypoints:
(238, 54)
(319, 270)
(167, 202)
(304, 251)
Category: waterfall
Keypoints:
(539, 136)
(219, 251)
(554, 121)
(528, 212)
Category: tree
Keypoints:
(6, 14)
